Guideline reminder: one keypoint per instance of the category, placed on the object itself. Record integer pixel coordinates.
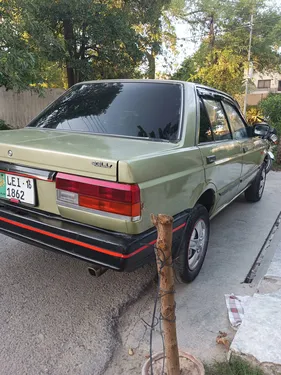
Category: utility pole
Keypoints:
(249, 63)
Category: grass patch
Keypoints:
(236, 367)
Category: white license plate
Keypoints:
(17, 189)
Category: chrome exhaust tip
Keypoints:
(97, 271)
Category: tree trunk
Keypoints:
(70, 76)
(212, 32)
(69, 39)
(278, 156)
(151, 65)
(163, 252)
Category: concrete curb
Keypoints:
(259, 336)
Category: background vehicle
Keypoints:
(84, 176)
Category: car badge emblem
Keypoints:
(101, 164)
(10, 153)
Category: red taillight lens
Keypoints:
(126, 209)
(121, 199)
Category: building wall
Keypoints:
(18, 109)
(256, 94)
(274, 81)
(254, 99)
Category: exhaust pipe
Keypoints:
(97, 271)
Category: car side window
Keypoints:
(237, 125)
(218, 120)
(205, 134)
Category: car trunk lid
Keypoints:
(58, 151)
(38, 156)
(88, 155)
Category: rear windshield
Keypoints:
(150, 110)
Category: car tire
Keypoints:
(194, 244)
(255, 190)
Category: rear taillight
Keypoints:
(104, 196)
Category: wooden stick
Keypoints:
(163, 252)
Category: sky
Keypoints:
(188, 48)
(185, 48)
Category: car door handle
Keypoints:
(211, 159)
(245, 149)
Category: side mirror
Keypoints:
(273, 138)
(273, 131)
(261, 130)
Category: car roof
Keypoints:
(170, 81)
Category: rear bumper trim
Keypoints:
(83, 244)
(114, 250)
(61, 238)
(154, 242)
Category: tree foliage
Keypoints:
(224, 26)
(19, 65)
(253, 114)
(187, 70)
(221, 69)
(148, 16)
(57, 43)
(92, 39)
(271, 108)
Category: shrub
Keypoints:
(4, 126)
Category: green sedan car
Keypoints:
(85, 175)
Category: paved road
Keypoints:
(55, 319)
(237, 235)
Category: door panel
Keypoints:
(222, 156)
(252, 159)
(252, 148)
(225, 170)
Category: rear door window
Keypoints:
(134, 109)
(217, 119)
(206, 134)
(237, 125)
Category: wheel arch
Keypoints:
(208, 199)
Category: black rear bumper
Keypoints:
(110, 249)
